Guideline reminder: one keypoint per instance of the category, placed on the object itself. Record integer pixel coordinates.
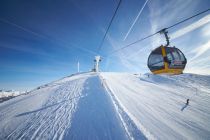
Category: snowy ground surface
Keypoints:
(113, 106)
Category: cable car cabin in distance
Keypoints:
(166, 60)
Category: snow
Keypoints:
(103, 106)
(75, 107)
(157, 106)
(96, 117)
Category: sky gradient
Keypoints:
(42, 40)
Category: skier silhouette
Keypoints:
(187, 103)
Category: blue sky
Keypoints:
(42, 40)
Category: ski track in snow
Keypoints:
(76, 108)
(130, 127)
(57, 110)
(111, 106)
(96, 117)
(51, 119)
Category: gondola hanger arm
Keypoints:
(165, 32)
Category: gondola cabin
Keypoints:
(166, 60)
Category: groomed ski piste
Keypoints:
(111, 106)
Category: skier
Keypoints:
(187, 101)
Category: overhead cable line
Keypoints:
(160, 31)
(188, 18)
(110, 23)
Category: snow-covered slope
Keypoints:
(157, 104)
(75, 107)
(115, 106)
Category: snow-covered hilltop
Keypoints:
(113, 106)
